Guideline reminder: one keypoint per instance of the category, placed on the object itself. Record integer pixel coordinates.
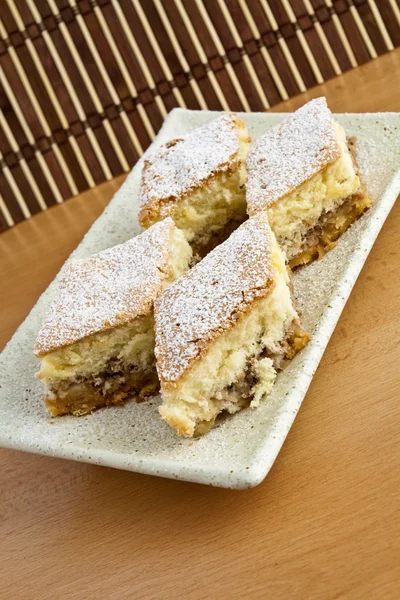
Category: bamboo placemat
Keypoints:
(86, 84)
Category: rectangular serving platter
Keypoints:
(240, 450)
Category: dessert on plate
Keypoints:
(304, 173)
(199, 181)
(96, 344)
(224, 329)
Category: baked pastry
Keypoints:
(199, 181)
(97, 340)
(224, 329)
(304, 175)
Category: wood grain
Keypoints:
(325, 524)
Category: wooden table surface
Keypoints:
(324, 524)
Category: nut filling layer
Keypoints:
(323, 237)
(331, 225)
(241, 393)
(80, 396)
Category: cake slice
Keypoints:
(304, 174)
(199, 181)
(97, 340)
(224, 329)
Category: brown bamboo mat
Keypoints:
(86, 84)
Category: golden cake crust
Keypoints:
(187, 163)
(108, 289)
(290, 154)
(211, 297)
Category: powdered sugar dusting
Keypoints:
(185, 163)
(209, 299)
(107, 289)
(240, 450)
(290, 153)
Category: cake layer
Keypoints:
(233, 310)
(249, 373)
(211, 297)
(130, 344)
(198, 180)
(322, 237)
(206, 212)
(113, 287)
(79, 396)
(328, 229)
(293, 216)
(299, 172)
(290, 154)
(253, 384)
(99, 333)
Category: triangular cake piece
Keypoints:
(224, 329)
(304, 174)
(199, 181)
(97, 340)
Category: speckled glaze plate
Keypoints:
(239, 452)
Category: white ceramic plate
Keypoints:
(239, 452)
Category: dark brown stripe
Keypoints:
(68, 109)
(73, 165)
(139, 127)
(104, 51)
(270, 41)
(90, 158)
(252, 48)
(390, 21)
(90, 67)
(216, 63)
(163, 87)
(198, 70)
(233, 54)
(353, 34)
(182, 81)
(288, 31)
(3, 224)
(306, 24)
(59, 135)
(26, 149)
(25, 188)
(39, 177)
(43, 143)
(323, 15)
(371, 25)
(11, 160)
(22, 98)
(146, 50)
(128, 149)
(108, 151)
(146, 96)
(10, 200)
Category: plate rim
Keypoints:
(262, 461)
